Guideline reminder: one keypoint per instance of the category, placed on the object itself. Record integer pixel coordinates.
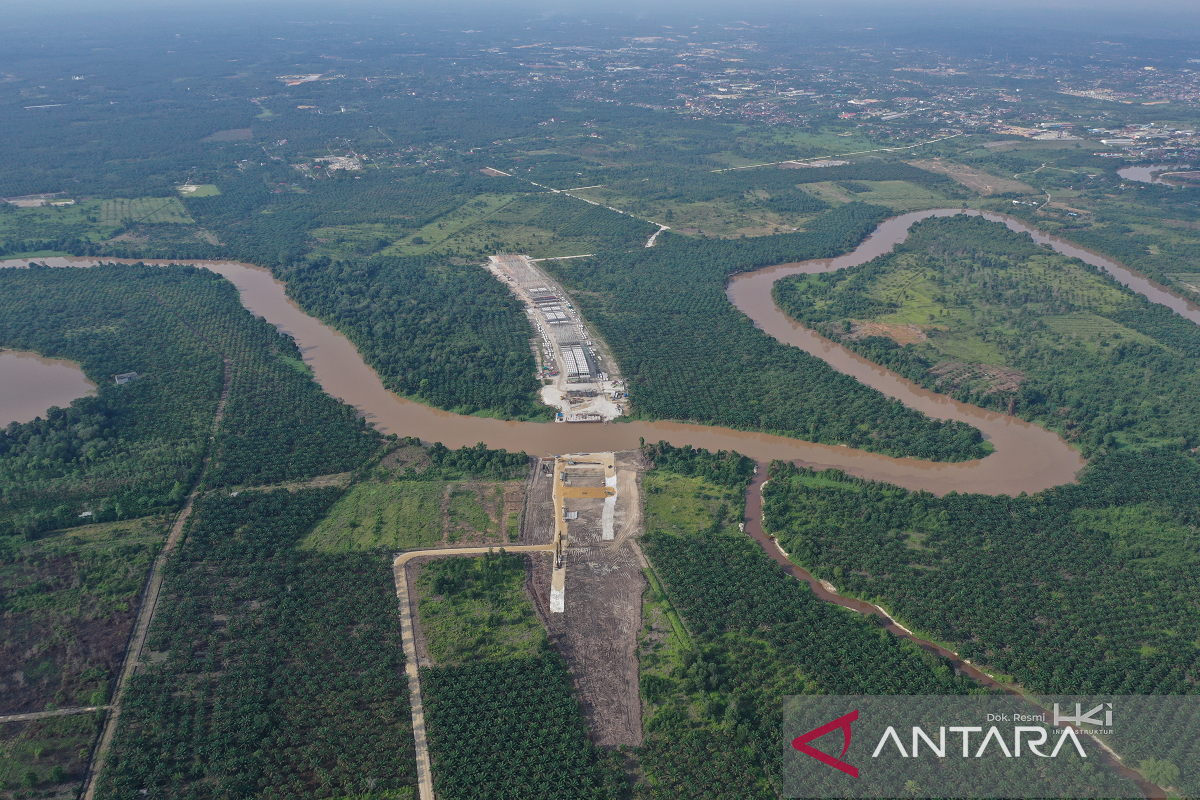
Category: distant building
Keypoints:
(126, 377)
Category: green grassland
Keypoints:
(896, 195)
(723, 217)
(389, 515)
(969, 308)
(680, 503)
(81, 220)
(48, 756)
(544, 225)
(342, 240)
(380, 515)
(1145, 534)
(147, 210)
(437, 235)
(476, 609)
(148, 222)
(68, 600)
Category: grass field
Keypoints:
(987, 315)
(476, 609)
(199, 190)
(48, 756)
(676, 503)
(390, 515)
(144, 210)
(897, 195)
(69, 599)
(81, 220)
(398, 515)
(725, 218)
(448, 226)
(1144, 533)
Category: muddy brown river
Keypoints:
(1026, 458)
(30, 384)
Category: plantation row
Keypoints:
(1094, 361)
(713, 727)
(278, 424)
(1087, 588)
(757, 634)
(281, 672)
(687, 354)
(134, 449)
(511, 728)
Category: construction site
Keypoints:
(579, 378)
(589, 596)
(584, 574)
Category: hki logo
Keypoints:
(1015, 741)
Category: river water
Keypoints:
(1026, 458)
(30, 384)
(1144, 174)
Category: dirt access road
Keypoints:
(149, 605)
(408, 637)
(596, 630)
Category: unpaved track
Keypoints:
(149, 604)
(407, 635)
(58, 712)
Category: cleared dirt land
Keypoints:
(597, 631)
(70, 599)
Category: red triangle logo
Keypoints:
(843, 722)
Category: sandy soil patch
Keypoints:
(901, 334)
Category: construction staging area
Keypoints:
(579, 378)
(590, 598)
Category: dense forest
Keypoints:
(211, 713)
(450, 336)
(1006, 324)
(687, 354)
(136, 448)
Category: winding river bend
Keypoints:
(1026, 458)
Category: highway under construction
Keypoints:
(579, 377)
